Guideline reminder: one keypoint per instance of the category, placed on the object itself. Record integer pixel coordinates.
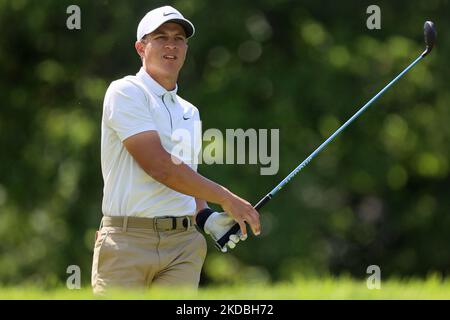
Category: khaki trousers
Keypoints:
(140, 257)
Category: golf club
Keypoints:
(430, 37)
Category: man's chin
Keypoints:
(166, 71)
(170, 71)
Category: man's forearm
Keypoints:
(200, 204)
(181, 178)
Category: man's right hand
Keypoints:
(242, 211)
(217, 225)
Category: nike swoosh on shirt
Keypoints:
(184, 118)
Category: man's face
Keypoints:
(164, 50)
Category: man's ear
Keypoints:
(140, 48)
(187, 48)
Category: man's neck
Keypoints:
(168, 83)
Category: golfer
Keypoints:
(151, 194)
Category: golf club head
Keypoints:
(430, 36)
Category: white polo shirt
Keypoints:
(136, 104)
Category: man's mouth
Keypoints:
(170, 57)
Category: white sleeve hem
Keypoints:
(130, 133)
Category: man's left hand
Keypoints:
(218, 224)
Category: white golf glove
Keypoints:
(218, 224)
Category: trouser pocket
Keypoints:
(100, 239)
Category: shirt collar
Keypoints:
(153, 85)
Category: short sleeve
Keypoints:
(126, 109)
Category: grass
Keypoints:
(300, 289)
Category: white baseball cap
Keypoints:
(153, 19)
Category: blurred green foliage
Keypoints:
(378, 195)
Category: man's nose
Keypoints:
(170, 44)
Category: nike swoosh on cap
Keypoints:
(167, 14)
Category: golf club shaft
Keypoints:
(222, 241)
(331, 138)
